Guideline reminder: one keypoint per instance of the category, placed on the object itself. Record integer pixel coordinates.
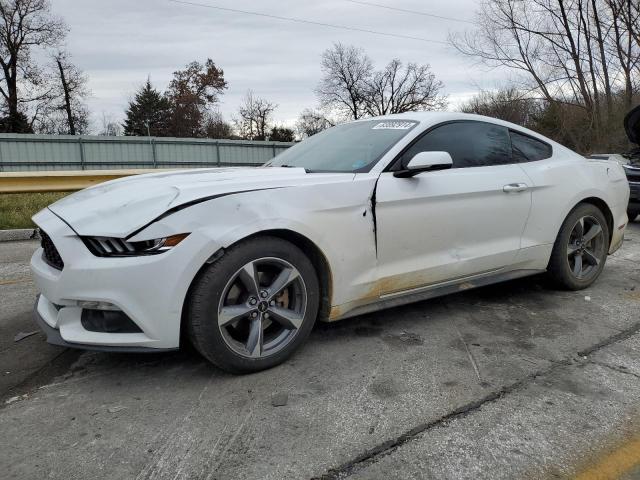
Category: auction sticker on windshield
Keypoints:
(393, 125)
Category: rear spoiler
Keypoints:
(612, 157)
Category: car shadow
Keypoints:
(375, 324)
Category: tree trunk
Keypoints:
(592, 69)
(603, 59)
(12, 102)
(575, 57)
(67, 99)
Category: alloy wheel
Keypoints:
(262, 307)
(586, 248)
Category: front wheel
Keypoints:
(253, 307)
(580, 250)
(633, 213)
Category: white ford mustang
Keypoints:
(366, 215)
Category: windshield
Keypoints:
(351, 147)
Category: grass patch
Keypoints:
(16, 209)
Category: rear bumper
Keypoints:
(620, 221)
(634, 194)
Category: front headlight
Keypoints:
(118, 247)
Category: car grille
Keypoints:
(50, 254)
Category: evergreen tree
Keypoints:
(282, 134)
(16, 124)
(149, 107)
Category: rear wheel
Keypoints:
(633, 213)
(252, 308)
(580, 251)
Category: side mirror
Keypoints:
(425, 162)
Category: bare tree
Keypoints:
(311, 122)
(571, 52)
(110, 127)
(345, 70)
(634, 20)
(351, 88)
(508, 104)
(624, 18)
(25, 25)
(254, 117)
(398, 90)
(66, 111)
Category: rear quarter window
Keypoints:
(528, 149)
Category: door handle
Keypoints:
(515, 187)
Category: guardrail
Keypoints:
(62, 181)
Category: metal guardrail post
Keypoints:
(82, 166)
(273, 149)
(218, 160)
(154, 159)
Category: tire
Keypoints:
(632, 213)
(243, 327)
(577, 261)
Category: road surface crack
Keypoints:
(384, 449)
(615, 368)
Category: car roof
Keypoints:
(427, 119)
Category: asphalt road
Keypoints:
(510, 381)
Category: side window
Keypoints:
(470, 144)
(528, 149)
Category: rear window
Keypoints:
(528, 149)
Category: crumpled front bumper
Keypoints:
(54, 338)
(150, 290)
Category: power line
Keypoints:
(414, 12)
(308, 22)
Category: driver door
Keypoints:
(451, 224)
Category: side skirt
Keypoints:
(431, 291)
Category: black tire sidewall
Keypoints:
(209, 286)
(559, 269)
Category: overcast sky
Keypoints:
(118, 43)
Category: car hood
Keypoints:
(119, 207)
(632, 125)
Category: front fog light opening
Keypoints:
(97, 305)
(107, 321)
